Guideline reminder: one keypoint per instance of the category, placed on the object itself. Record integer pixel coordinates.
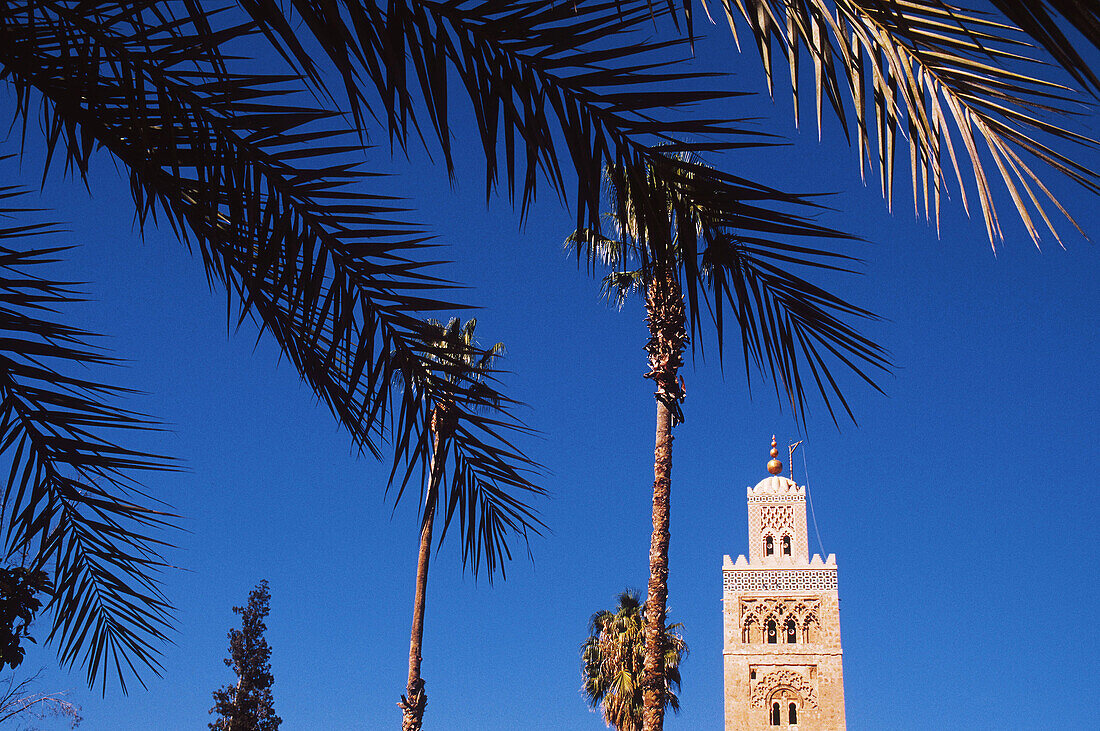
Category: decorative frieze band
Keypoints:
(777, 499)
(780, 580)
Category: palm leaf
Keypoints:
(737, 258)
(613, 656)
(950, 83)
(72, 501)
(551, 84)
(579, 77)
(269, 190)
(263, 186)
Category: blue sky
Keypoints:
(962, 508)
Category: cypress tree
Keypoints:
(248, 705)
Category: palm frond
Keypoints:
(262, 185)
(1039, 19)
(580, 84)
(613, 657)
(954, 85)
(576, 76)
(270, 191)
(72, 502)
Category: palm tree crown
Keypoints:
(613, 656)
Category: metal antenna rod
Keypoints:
(790, 455)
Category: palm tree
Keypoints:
(453, 347)
(662, 258)
(666, 317)
(260, 172)
(613, 656)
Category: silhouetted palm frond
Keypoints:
(269, 189)
(72, 502)
(578, 85)
(556, 88)
(263, 185)
(953, 84)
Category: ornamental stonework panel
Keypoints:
(758, 611)
(783, 679)
(776, 517)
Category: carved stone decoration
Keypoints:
(757, 610)
(780, 580)
(778, 679)
(777, 517)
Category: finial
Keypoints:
(774, 466)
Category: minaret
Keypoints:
(781, 619)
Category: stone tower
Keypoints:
(781, 620)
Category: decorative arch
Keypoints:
(748, 626)
(756, 612)
(774, 682)
(810, 626)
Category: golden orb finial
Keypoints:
(774, 466)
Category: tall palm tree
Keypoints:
(449, 345)
(662, 258)
(659, 280)
(271, 189)
(613, 656)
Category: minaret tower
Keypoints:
(781, 619)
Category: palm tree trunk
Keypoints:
(668, 338)
(653, 683)
(415, 699)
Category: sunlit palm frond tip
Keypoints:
(957, 86)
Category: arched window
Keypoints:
(792, 714)
(790, 632)
(772, 633)
(769, 546)
(746, 631)
(786, 545)
(776, 718)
